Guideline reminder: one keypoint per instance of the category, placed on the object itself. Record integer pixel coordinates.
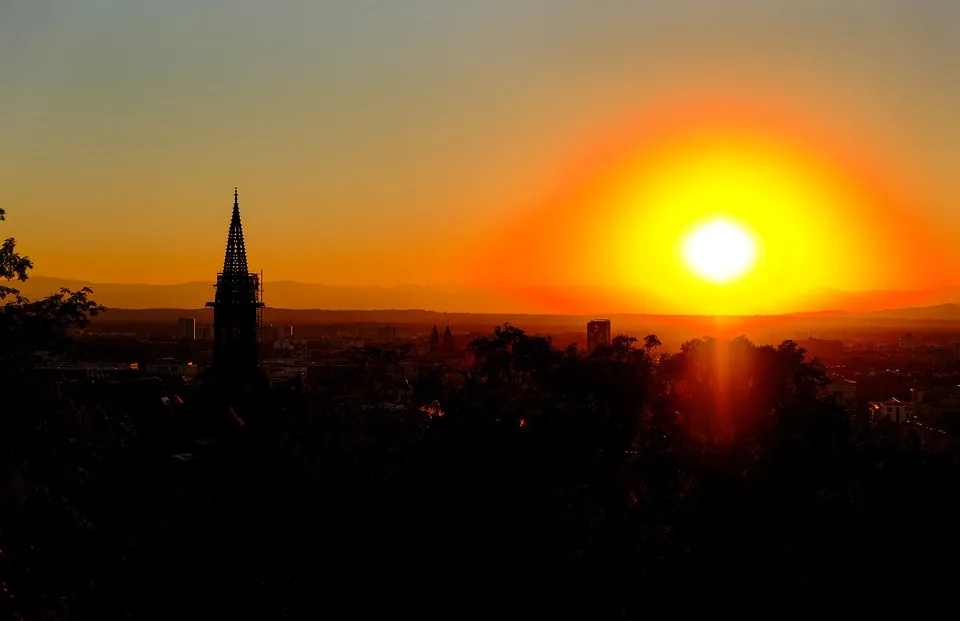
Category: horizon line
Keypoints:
(468, 286)
(829, 314)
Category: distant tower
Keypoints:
(448, 344)
(909, 341)
(237, 312)
(187, 328)
(598, 333)
(434, 340)
(385, 334)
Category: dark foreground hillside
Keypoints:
(605, 486)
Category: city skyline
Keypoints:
(377, 146)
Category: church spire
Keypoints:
(448, 342)
(434, 339)
(235, 259)
(236, 311)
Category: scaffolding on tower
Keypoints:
(237, 307)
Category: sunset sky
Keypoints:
(502, 142)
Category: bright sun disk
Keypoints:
(719, 250)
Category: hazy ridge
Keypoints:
(548, 301)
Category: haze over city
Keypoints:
(502, 146)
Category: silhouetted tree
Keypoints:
(622, 346)
(50, 445)
(651, 342)
(12, 265)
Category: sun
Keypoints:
(719, 250)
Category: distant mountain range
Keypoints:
(297, 295)
(939, 312)
(914, 305)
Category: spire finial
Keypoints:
(235, 195)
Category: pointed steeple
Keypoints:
(236, 313)
(434, 339)
(235, 259)
(448, 344)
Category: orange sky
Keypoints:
(498, 146)
(827, 214)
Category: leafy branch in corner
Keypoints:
(12, 265)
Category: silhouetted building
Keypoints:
(844, 390)
(269, 334)
(891, 409)
(448, 345)
(910, 341)
(204, 333)
(386, 333)
(286, 332)
(187, 328)
(935, 404)
(92, 370)
(171, 368)
(237, 312)
(434, 340)
(598, 333)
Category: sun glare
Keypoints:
(719, 250)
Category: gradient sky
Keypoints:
(383, 142)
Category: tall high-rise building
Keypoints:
(385, 334)
(598, 333)
(187, 328)
(237, 311)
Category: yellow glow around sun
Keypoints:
(719, 250)
(730, 226)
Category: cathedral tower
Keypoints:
(237, 309)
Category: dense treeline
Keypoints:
(549, 482)
(600, 485)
